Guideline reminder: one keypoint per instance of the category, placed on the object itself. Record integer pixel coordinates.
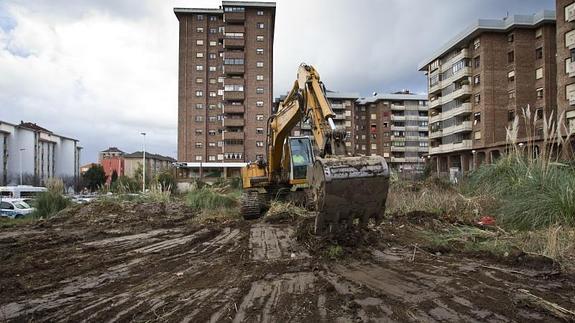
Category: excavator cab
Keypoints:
(301, 155)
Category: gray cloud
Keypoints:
(103, 71)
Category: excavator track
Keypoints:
(251, 205)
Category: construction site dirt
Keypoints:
(150, 262)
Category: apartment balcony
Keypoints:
(229, 122)
(234, 108)
(416, 138)
(234, 54)
(398, 159)
(234, 95)
(235, 29)
(337, 106)
(339, 116)
(398, 148)
(435, 103)
(436, 134)
(234, 43)
(237, 135)
(398, 128)
(395, 138)
(235, 69)
(436, 87)
(570, 13)
(234, 17)
(464, 53)
(436, 118)
(447, 148)
(463, 127)
(464, 108)
(406, 160)
(397, 107)
(234, 81)
(397, 118)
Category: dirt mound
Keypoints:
(126, 215)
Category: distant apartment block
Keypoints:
(112, 160)
(154, 163)
(394, 126)
(225, 86)
(37, 153)
(480, 80)
(566, 61)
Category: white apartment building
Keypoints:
(36, 153)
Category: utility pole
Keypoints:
(21, 150)
(144, 164)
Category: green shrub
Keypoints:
(166, 181)
(126, 184)
(50, 203)
(205, 198)
(532, 194)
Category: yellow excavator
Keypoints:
(339, 187)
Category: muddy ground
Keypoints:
(154, 263)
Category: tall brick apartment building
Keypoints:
(566, 60)
(480, 80)
(225, 86)
(394, 126)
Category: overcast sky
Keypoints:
(102, 71)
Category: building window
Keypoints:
(510, 115)
(259, 51)
(477, 98)
(234, 61)
(213, 94)
(477, 62)
(234, 9)
(200, 30)
(199, 106)
(221, 79)
(260, 64)
(213, 68)
(259, 143)
(211, 144)
(199, 145)
(213, 18)
(199, 80)
(539, 73)
(212, 81)
(476, 118)
(539, 114)
(200, 42)
(373, 146)
(198, 158)
(539, 53)
(235, 35)
(199, 67)
(259, 77)
(234, 88)
(199, 55)
(200, 17)
(476, 43)
(199, 93)
(510, 57)
(511, 76)
(213, 43)
(212, 56)
(477, 135)
(199, 118)
(477, 79)
(259, 104)
(570, 92)
(260, 13)
(260, 117)
(538, 32)
(220, 92)
(511, 94)
(260, 25)
(260, 38)
(539, 92)
(212, 133)
(199, 131)
(510, 38)
(259, 131)
(212, 158)
(260, 90)
(213, 30)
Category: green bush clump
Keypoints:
(49, 203)
(205, 198)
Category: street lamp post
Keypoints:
(144, 164)
(21, 150)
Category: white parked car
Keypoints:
(14, 208)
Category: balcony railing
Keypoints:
(234, 17)
(234, 95)
(229, 122)
(235, 69)
(464, 126)
(234, 108)
(233, 135)
(234, 42)
(446, 148)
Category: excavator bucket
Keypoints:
(348, 188)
